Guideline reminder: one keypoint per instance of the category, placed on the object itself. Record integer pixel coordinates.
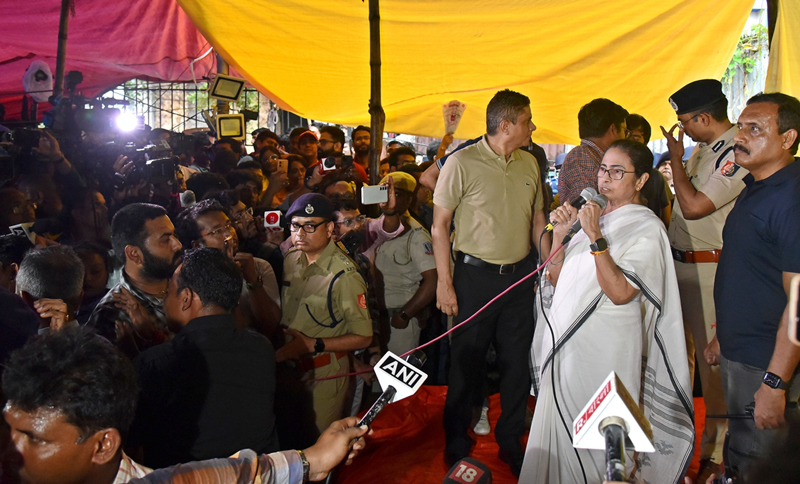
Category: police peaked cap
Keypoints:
(311, 205)
(696, 96)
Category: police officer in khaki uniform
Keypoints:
(324, 307)
(705, 192)
(407, 269)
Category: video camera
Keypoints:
(149, 162)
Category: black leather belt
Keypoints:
(502, 269)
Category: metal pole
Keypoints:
(222, 68)
(377, 115)
(61, 55)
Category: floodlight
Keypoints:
(226, 88)
(127, 121)
(230, 126)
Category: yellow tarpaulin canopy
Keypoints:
(784, 62)
(312, 56)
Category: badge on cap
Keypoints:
(673, 104)
(309, 209)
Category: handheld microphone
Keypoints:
(399, 378)
(468, 471)
(613, 422)
(188, 199)
(576, 227)
(587, 194)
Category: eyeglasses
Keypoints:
(325, 141)
(23, 206)
(308, 228)
(349, 222)
(241, 215)
(613, 173)
(228, 227)
(634, 134)
(681, 123)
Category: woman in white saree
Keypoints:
(612, 306)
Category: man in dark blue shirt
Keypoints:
(760, 256)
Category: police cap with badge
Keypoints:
(311, 205)
(696, 95)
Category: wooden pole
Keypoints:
(377, 115)
(61, 55)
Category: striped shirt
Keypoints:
(579, 170)
(244, 467)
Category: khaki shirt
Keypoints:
(305, 295)
(713, 171)
(402, 261)
(493, 201)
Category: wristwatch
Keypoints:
(306, 466)
(774, 381)
(599, 245)
(252, 286)
(319, 346)
(404, 316)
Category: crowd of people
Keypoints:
(169, 300)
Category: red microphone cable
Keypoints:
(456, 326)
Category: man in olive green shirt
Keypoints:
(324, 307)
(494, 189)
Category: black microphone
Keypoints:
(576, 227)
(468, 471)
(587, 194)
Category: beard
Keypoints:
(361, 149)
(159, 269)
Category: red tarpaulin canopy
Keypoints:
(109, 42)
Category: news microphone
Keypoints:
(468, 471)
(576, 227)
(587, 194)
(398, 378)
(609, 421)
(188, 199)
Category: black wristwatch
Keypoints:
(404, 316)
(599, 245)
(319, 346)
(774, 381)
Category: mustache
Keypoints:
(738, 147)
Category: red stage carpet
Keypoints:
(408, 444)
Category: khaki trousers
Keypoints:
(696, 285)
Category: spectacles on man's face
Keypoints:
(225, 230)
(682, 124)
(634, 134)
(613, 173)
(243, 214)
(325, 141)
(308, 228)
(350, 222)
(23, 206)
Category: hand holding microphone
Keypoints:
(586, 195)
(589, 217)
(592, 216)
(562, 219)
